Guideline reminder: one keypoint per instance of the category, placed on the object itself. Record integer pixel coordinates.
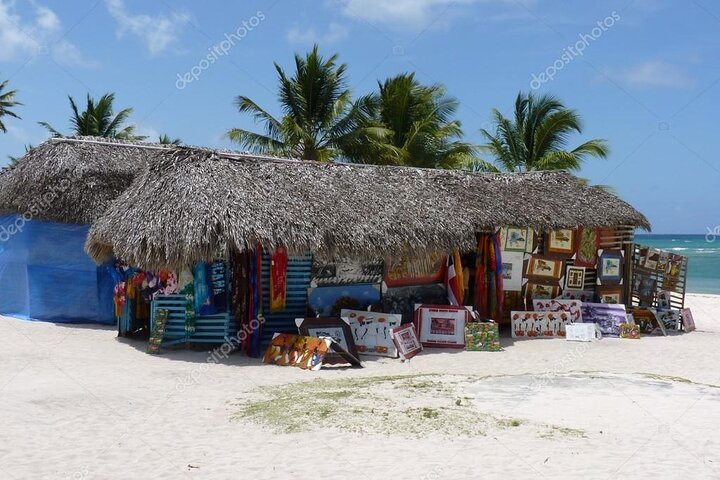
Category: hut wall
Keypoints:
(45, 273)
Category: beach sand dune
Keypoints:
(78, 403)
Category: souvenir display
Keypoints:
(489, 295)
(517, 239)
(400, 272)
(670, 319)
(587, 247)
(672, 277)
(482, 337)
(538, 324)
(328, 301)
(156, 337)
(610, 294)
(336, 328)
(644, 287)
(610, 267)
(278, 279)
(406, 341)
(560, 241)
(630, 330)
(534, 291)
(298, 351)
(402, 300)
(544, 268)
(371, 331)
(608, 317)
(582, 332)
(652, 257)
(454, 282)
(647, 320)
(441, 326)
(574, 278)
(663, 300)
(571, 307)
(688, 321)
(345, 271)
(512, 271)
(582, 295)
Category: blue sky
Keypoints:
(647, 78)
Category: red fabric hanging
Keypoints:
(278, 279)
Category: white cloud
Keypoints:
(43, 34)
(156, 31)
(653, 74)
(335, 33)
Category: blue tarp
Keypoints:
(45, 274)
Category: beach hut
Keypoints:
(47, 203)
(199, 205)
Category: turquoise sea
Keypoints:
(704, 253)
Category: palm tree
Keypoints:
(7, 101)
(536, 138)
(320, 121)
(164, 139)
(98, 120)
(419, 117)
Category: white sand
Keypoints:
(76, 402)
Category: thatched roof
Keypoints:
(192, 204)
(72, 181)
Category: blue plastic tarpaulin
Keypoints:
(45, 273)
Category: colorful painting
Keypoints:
(574, 278)
(517, 239)
(582, 332)
(482, 337)
(544, 268)
(687, 320)
(647, 320)
(402, 300)
(645, 288)
(610, 267)
(672, 276)
(608, 317)
(670, 319)
(571, 307)
(630, 331)
(652, 257)
(335, 328)
(541, 291)
(401, 272)
(512, 271)
(664, 300)
(406, 341)
(345, 271)
(371, 331)
(442, 326)
(610, 294)
(663, 261)
(329, 301)
(560, 241)
(298, 351)
(538, 324)
(587, 247)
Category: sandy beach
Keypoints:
(78, 403)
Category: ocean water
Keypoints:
(704, 254)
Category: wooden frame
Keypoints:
(406, 340)
(647, 320)
(611, 265)
(442, 326)
(560, 241)
(586, 247)
(610, 294)
(540, 291)
(544, 268)
(334, 327)
(574, 277)
(517, 239)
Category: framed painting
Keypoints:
(582, 332)
(663, 261)
(664, 300)
(328, 301)
(672, 276)
(402, 300)
(442, 326)
(610, 267)
(610, 294)
(630, 330)
(647, 320)
(517, 239)
(538, 324)
(608, 317)
(571, 307)
(482, 337)
(560, 242)
(645, 288)
(540, 291)
(574, 278)
(587, 246)
(297, 351)
(582, 295)
(652, 258)
(688, 321)
(670, 319)
(512, 271)
(406, 341)
(544, 268)
(333, 327)
(420, 270)
(371, 331)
